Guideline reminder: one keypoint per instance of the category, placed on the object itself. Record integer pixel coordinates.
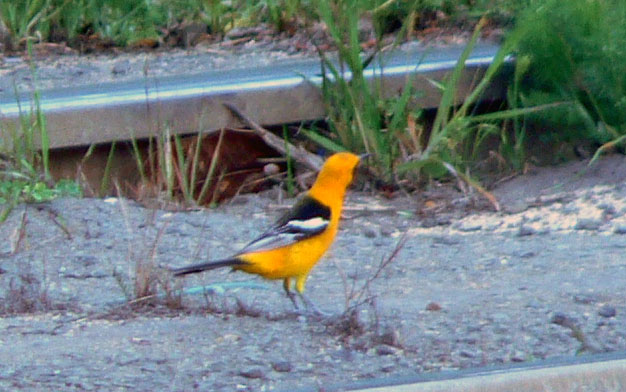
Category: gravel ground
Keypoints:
(469, 288)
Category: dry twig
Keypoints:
(297, 153)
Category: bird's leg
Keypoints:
(290, 294)
(311, 307)
(308, 304)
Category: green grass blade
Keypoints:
(211, 172)
(181, 170)
(195, 162)
(106, 177)
(323, 141)
(449, 93)
(139, 160)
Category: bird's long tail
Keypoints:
(192, 269)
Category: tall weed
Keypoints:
(577, 52)
(361, 120)
(389, 129)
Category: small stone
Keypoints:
(271, 169)
(585, 299)
(620, 228)
(534, 304)
(369, 232)
(587, 224)
(518, 356)
(239, 200)
(86, 260)
(121, 67)
(343, 355)
(384, 349)
(500, 318)
(608, 208)
(282, 366)
(607, 311)
(569, 209)
(178, 230)
(525, 231)
(386, 231)
(378, 242)
(560, 318)
(492, 226)
(391, 337)
(446, 240)
(99, 273)
(433, 307)
(516, 207)
(388, 368)
(255, 373)
(469, 227)
(467, 354)
(442, 221)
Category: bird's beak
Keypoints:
(363, 156)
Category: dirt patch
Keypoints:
(471, 290)
(567, 179)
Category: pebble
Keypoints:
(255, 373)
(608, 208)
(560, 318)
(467, 354)
(391, 337)
(526, 254)
(585, 299)
(378, 242)
(469, 227)
(386, 231)
(570, 209)
(607, 311)
(271, 169)
(121, 67)
(86, 260)
(282, 366)
(587, 224)
(384, 349)
(239, 200)
(433, 307)
(99, 273)
(446, 240)
(525, 230)
(516, 207)
(620, 228)
(342, 355)
(369, 232)
(519, 356)
(178, 230)
(388, 368)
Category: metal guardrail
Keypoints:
(598, 373)
(276, 94)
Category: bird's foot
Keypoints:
(311, 310)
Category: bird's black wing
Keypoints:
(305, 219)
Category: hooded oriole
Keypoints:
(294, 244)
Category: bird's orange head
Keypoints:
(335, 176)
